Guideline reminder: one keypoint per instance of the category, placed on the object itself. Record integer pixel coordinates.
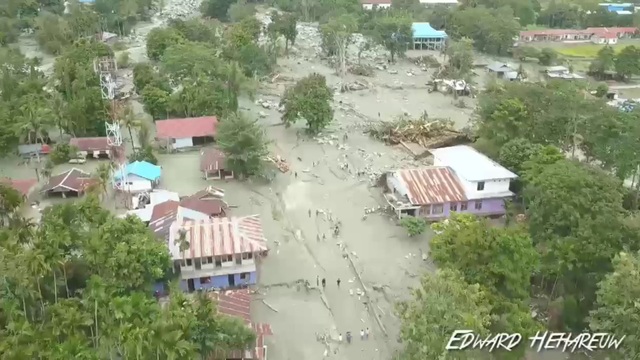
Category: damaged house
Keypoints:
(461, 180)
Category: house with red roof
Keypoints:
(237, 304)
(597, 35)
(24, 187)
(221, 251)
(73, 182)
(187, 132)
(462, 180)
(96, 147)
(213, 164)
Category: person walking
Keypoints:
(324, 282)
(366, 334)
(338, 282)
(295, 174)
(340, 338)
(317, 280)
(361, 334)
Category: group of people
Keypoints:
(324, 282)
(364, 335)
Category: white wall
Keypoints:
(182, 143)
(491, 187)
(193, 215)
(379, 6)
(135, 183)
(394, 184)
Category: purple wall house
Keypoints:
(484, 207)
(220, 282)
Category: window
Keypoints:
(229, 258)
(249, 255)
(218, 261)
(238, 259)
(463, 206)
(426, 210)
(209, 260)
(244, 276)
(480, 185)
(453, 207)
(478, 205)
(246, 256)
(189, 262)
(205, 280)
(437, 209)
(198, 264)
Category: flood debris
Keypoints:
(429, 133)
(280, 163)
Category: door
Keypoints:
(232, 280)
(190, 285)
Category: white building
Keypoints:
(375, 4)
(439, 2)
(137, 177)
(480, 176)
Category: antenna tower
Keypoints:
(105, 68)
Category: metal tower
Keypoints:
(106, 68)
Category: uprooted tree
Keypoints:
(310, 99)
(338, 32)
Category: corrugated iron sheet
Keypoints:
(224, 236)
(432, 185)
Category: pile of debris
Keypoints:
(281, 163)
(180, 9)
(429, 133)
(427, 62)
(354, 86)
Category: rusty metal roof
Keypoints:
(431, 185)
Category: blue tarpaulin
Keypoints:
(142, 169)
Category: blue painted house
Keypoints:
(137, 176)
(218, 252)
(426, 37)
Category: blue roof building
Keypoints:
(426, 37)
(619, 8)
(138, 176)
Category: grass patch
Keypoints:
(587, 51)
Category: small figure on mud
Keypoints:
(324, 237)
(317, 212)
(295, 174)
(361, 334)
(317, 280)
(366, 334)
(340, 337)
(324, 282)
(338, 282)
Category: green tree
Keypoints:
(240, 11)
(547, 56)
(217, 9)
(493, 37)
(284, 25)
(244, 144)
(339, 32)
(156, 102)
(10, 201)
(604, 62)
(160, 39)
(393, 32)
(440, 305)
(616, 309)
(627, 62)
(414, 225)
(460, 55)
(515, 153)
(309, 99)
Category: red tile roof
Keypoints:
(598, 31)
(186, 128)
(70, 180)
(237, 303)
(90, 143)
(431, 185)
(223, 236)
(211, 159)
(24, 187)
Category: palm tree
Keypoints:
(37, 267)
(181, 241)
(237, 83)
(102, 178)
(33, 120)
(129, 120)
